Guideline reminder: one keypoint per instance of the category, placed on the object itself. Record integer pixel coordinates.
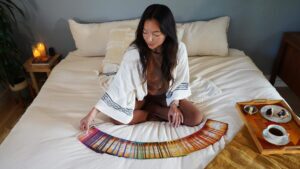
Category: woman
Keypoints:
(153, 79)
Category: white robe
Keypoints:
(118, 101)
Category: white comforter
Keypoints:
(45, 136)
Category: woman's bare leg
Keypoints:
(152, 111)
(139, 115)
(191, 114)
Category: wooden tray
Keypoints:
(256, 123)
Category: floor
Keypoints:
(12, 109)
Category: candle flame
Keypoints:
(41, 46)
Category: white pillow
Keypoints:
(91, 39)
(180, 32)
(119, 41)
(207, 37)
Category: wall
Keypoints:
(256, 25)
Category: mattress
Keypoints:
(46, 135)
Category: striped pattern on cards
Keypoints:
(102, 142)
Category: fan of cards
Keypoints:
(102, 142)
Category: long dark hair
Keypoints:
(163, 15)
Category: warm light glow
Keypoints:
(42, 49)
(39, 53)
(36, 53)
(40, 46)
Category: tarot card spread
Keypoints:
(101, 142)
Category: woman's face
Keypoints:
(152, 34)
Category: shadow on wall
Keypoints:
(23, 33)
(61, 26)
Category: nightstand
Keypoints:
(287, 63)
(42, 67)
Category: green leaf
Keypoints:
(10, 63)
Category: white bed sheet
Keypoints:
(45, 136)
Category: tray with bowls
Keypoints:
(272, 124)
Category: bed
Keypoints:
(46, 135)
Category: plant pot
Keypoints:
(19, 86)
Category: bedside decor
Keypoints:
(38, 65)
(39, 53)
(51, 51)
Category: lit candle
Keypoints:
(42, 49)
(36, 53)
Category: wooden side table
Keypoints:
(16, 89)
(43, 67)
(287, 62)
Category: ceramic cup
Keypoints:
(277, 132)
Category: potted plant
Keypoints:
(11, 68)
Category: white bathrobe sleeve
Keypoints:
(118, 101)
(180, 88)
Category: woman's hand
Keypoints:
(86, 121)
(175, 115)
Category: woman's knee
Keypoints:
(139, 116)
(195, 119)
